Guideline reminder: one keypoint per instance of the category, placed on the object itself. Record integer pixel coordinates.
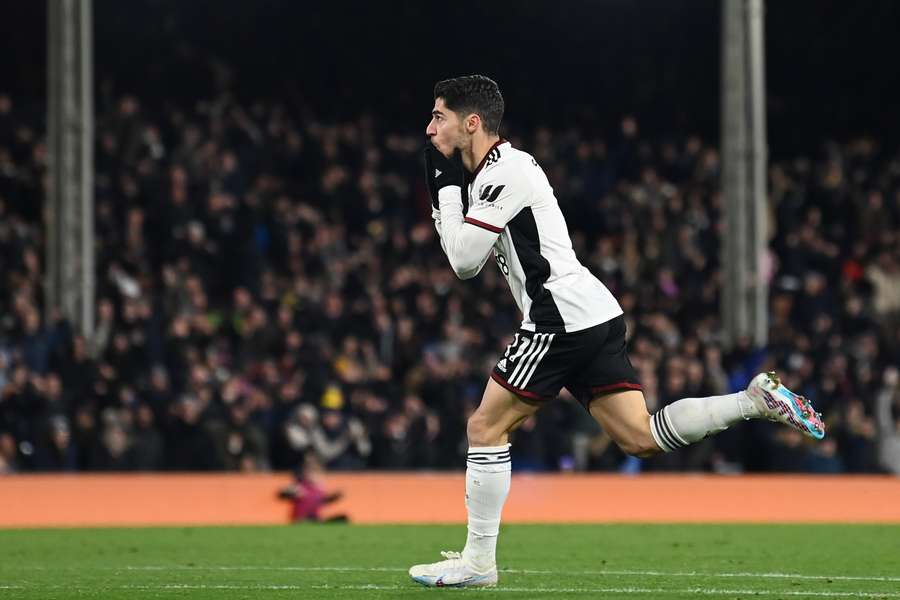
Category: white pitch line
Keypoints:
(255, 568)
(769, 575)
(216, 586)
(543, 590)
(700, 574)
(533, 590)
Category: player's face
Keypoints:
(445, 130)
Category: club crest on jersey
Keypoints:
(492, 157)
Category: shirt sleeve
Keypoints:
(467, 246)
(496, 201)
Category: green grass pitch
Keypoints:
(536, 562)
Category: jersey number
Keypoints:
(501, 262)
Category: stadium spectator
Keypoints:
(256, 251)
(307, 494)
(56, 452)
(888, 421)
(8, 461)
(147, 442)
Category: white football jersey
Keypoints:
(509, 195)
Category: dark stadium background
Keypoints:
(570, 71)
(654, 58)
(276, 325)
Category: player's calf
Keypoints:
(624, 417)
(640, 450)
(641, 445)
(482, 431)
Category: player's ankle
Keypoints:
(478, 559)
(480, 563)
(748, 408)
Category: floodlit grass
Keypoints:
(536, 561)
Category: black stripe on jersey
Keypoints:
(544, 312)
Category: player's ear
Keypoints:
(473, 122)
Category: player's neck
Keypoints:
(481, 145)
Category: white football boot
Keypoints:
(453, 572)
(777, 403)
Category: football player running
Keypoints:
(573, 330)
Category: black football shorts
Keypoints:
(589, 362)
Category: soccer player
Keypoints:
(572, 333)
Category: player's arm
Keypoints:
(467, 247)
(501, 195)
(436, 215)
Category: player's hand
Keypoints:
(441, 171)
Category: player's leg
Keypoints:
(488, 476)
(488, 468)
(623, 414)
(609, 387)
(500, 413)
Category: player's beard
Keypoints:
(463, 143)
(457, 142)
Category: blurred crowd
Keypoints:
(270, 285)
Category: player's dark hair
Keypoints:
(473, 94)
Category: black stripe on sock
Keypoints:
(671, 438)
(663, 427)
(505, 462)
(671, 427)
(663, 435)
(485, 459)
(660, 439)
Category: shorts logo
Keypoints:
(520, 345)
(527, 353)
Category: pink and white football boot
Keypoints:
(777, 403)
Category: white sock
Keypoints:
(487, 484)
(690, 420)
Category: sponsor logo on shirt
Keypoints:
(488, 194)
